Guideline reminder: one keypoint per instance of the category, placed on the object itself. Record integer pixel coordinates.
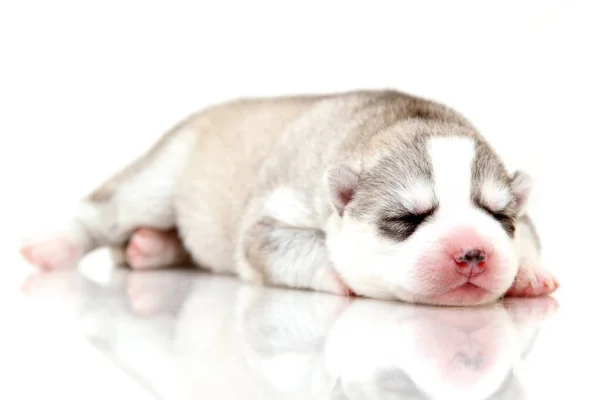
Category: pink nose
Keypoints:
(470, 262)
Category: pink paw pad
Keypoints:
(533, 283)
(51, 252)
(150, 249)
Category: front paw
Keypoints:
(331, 282)
(533, 282)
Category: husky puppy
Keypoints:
(375, 193)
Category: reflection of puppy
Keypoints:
(211, 337)
(388, 351)
(157, 292)
(117, 319)
(282, 338)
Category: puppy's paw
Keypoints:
(533, 282)
(331, 282)
(151, 249)
(52, 251)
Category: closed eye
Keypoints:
(411, 218)
(499, 216)
(507, 222)
(401, 227)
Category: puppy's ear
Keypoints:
(522, 184)
(341, 183)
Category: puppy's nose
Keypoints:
(470, 262)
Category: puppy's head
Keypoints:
(430, 220)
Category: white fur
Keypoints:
(302, 264)
(299, 261)
(494, 195)
(529, 256)
(418, 197)
(145, 197)
(148, 196)
(452, 159)
(285, 205)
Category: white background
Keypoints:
(86, 86)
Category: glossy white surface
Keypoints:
(183, 334)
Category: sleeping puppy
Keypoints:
(374, 193)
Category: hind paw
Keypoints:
(533, 282)
(151, 249)
(53, 251)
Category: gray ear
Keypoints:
(341, 183)
(521, 185)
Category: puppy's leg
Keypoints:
(532, 278)
(139, 196)
(289, 256)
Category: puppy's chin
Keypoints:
(467, 294)
(456, 290)
(464, 295)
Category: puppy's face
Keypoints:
(432, 221)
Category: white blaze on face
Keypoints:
(452, 160)
(460, 225)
